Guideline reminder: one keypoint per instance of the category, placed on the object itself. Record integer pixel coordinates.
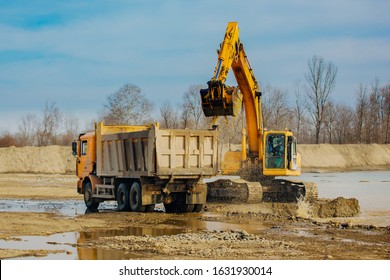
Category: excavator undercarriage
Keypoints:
(276, 190)
(255, 188)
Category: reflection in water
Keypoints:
(85, 253)
(167, 227)
(64, 242)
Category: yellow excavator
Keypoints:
(271, 153)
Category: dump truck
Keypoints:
(141, 166)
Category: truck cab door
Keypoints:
(84, 160)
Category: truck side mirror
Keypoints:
(74, 148)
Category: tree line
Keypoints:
(313, 115)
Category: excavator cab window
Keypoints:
(292, 153)
(275, 151)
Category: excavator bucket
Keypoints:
(220, 100)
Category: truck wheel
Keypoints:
(90, 202)
(135, 198)
(150, 208)
(179, 205)
(122, 197)
(197, 208)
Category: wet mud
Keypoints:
(43, 228)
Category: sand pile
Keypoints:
(345, 157)
(50, 159)
(339, 207)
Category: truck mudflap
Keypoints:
(151, 194)
(182, 199)
(196, 194)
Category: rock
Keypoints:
(346, 225)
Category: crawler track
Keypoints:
(276, 190)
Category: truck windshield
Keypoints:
(275, 151)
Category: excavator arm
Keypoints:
(222, 100)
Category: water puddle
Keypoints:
(371, 189)
(61, 207)
(74, 244)
(64, 242)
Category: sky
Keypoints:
(77, 52)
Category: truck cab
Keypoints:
(85, 152)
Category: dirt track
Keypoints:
(221, 231)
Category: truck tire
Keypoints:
(122, 197)
(150, 208)
(90, 202)
(197, 208)
(179, 205)
(135, 198)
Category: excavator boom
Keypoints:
(222, 100)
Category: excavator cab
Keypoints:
(281, 157)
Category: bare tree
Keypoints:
(49, 124)
(320, 82)
(329, 121)
(276, 112)
(192, 108)
(299, 111)
(168, 116)
(374, 114)
(361, 109)
(385, 91)
(230, 129)
(343, 126)
(27, 129)
(7, 139)
(71, 130)
(127, 106)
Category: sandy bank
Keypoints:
(47, 160)
(315, 158)
(326, 157)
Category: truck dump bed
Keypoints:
(135, 151)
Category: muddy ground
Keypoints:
(220, 231)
